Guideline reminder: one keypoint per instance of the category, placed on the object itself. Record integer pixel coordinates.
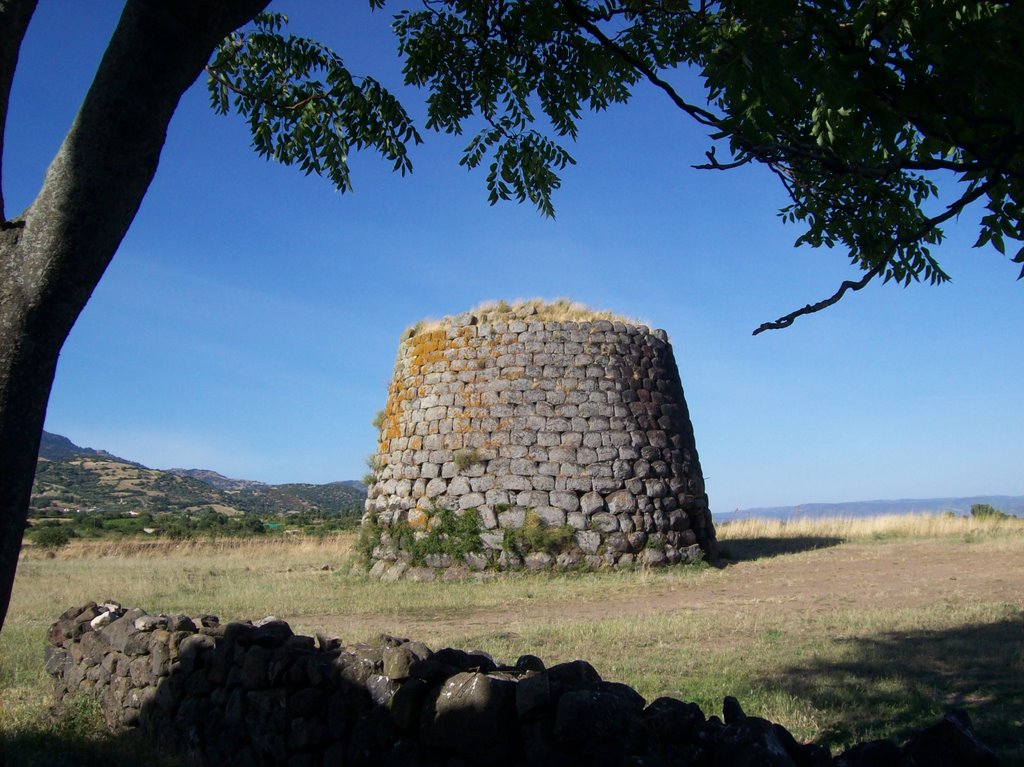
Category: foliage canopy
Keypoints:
(882, 119)
(297, 118)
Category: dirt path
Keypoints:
(850, 576)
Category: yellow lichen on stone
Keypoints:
(418, 519)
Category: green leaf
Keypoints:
(302, 104)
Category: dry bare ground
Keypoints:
(829, 576)
(841, 641)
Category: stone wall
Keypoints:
(575, 426)
(248, 695)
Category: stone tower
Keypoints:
(562, 433)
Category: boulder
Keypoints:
(671, 721)
(751, 742)
(950, 743)
(871, 753)
(597, 727)
(472, 715)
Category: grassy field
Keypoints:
(841, 630)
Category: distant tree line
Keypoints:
(206, 523)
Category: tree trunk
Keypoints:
(53, 255)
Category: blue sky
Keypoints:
(250, 320)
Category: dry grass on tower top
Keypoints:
(558, 310)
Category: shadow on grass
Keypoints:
(888, 685)
(77, 736)
(45, 748)
(747, 549)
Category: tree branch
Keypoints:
(255, 97)
(578, 15)
(713, 162)
(15, 16)
(787, 320)
(928, 225)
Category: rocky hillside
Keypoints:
(69, 477)
(54, 447)
(219, 481)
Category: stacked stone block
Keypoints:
(258, 695)
(582, 424)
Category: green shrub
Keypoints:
(89, 523)
(984, 511)
(378, 420)
(655, 541)
(334, 524)
(373, 464)
(178, 530)
(447, 533)
(535, 536)
(368, 538)
(465, 458)
(51, 537)
(79, 716)
(253, 525)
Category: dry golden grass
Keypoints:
(873, 528)
(558, 310)
(221, 549)
(839, 629)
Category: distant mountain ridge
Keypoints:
(218, 480)
(96, 476)
(1010, 504)
(69, 476)
(54, 447)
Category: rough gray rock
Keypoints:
(471, 714)
(244, 694)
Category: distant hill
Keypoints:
(54, 447)
(333, 495)
(218, 481)
(355, 484)
(1010, 504)
(73, 477)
